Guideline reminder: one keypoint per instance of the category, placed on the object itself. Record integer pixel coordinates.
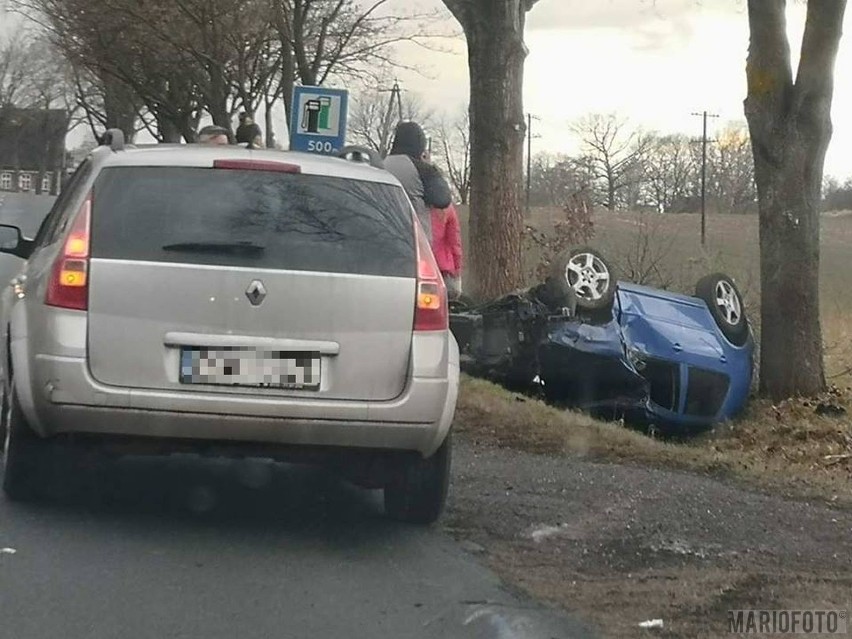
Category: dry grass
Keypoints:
(786, 447)
(692, 601)
(792, 442)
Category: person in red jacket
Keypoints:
(447, 247)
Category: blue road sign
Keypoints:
(318, 119)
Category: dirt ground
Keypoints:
(618, 544)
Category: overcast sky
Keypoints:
(654, 61)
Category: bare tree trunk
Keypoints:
(610, 192)
(219, 113)
(167, 130)
(217, 100)
(270, 126)
(189, 127)
(120, 108)
(496, 54)
(287, 86)
(287, 79)
(790, 126)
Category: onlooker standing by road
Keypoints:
(249, 132)
(424, 184)
(447, 247)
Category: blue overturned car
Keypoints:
(618, 350)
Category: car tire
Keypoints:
(589, 275)
(725, 303)
(418, 492)
(23, 453)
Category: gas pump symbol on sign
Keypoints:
(318, 124)
(315, 117)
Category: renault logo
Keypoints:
(256, 293)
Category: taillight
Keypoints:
(430, 312)
(69, 281)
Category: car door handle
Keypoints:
(677, 347)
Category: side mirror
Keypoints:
(12, 242)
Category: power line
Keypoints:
(704, 115)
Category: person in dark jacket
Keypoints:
(422, 181)
(248, 132)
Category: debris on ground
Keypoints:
(652, 623)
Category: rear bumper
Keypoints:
(164, 425)
(62, 397)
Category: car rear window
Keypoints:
(247, 218)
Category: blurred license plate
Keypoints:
(250, 367)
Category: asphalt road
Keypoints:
(184, 547)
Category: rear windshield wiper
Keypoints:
(216, 247)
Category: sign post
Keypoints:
(318, 120)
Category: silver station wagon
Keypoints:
(248, 303)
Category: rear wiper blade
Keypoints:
(215, 247)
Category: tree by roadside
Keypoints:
(789, 120)
(556, 180)
(669, 173)
(454, 153)
(617, 155)
(15, 68)
(494, 30)
(167, 64)
(731, 171)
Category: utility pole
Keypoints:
(704, 115)
(387, 126)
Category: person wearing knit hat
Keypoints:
(422, 181)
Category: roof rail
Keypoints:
(362, 155)
(114, 139)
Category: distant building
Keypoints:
(32, 149)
